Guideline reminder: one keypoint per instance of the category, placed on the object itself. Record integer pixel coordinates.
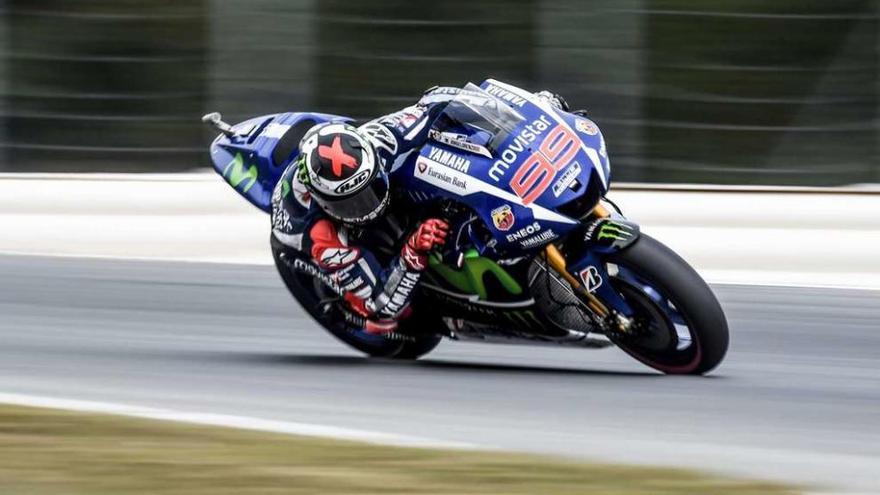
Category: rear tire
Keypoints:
(657, 266)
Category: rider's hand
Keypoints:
(556, 100)
(430, 234)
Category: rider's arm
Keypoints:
(554, 99)
(378, 295)
(397, 134)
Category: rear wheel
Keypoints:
(322, 304)
(679, 326)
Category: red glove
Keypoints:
(430, 234)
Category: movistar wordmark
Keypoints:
(236, 174)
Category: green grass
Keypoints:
(46, 452)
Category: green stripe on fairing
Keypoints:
(469, 279)
(236, 174)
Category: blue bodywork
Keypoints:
(486, 184)
(523, 207)
(248, 161)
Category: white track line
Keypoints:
(229, 421)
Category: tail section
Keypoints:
(252, 155)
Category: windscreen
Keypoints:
(479, 117)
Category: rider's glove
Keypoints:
(430, 234)
(554, 99)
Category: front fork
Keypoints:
(588, 275)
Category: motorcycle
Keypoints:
(537, 255)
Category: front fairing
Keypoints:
(503, 173)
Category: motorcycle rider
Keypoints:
(340, 182)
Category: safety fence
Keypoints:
(720, 91)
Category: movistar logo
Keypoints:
(236, 174)
(614, 231)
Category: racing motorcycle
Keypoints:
(537, 254)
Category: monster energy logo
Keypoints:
(614, 231)
(236, 174)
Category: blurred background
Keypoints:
(715, 91)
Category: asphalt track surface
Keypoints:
(798, 397)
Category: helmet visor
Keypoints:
(361, 207)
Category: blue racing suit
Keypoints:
(379, 294)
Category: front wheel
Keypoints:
(679, 327)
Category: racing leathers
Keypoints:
(378, 295)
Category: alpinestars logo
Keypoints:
(334, 258)
(380, 136)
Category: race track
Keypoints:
(798, 397)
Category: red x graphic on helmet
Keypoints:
(337, 156)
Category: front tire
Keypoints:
(664, 290)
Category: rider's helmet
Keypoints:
(341, 169)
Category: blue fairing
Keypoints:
(518, 199)
(529, 179)
(253, 162)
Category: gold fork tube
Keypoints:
(557, 262)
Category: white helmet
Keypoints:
(341, 169)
